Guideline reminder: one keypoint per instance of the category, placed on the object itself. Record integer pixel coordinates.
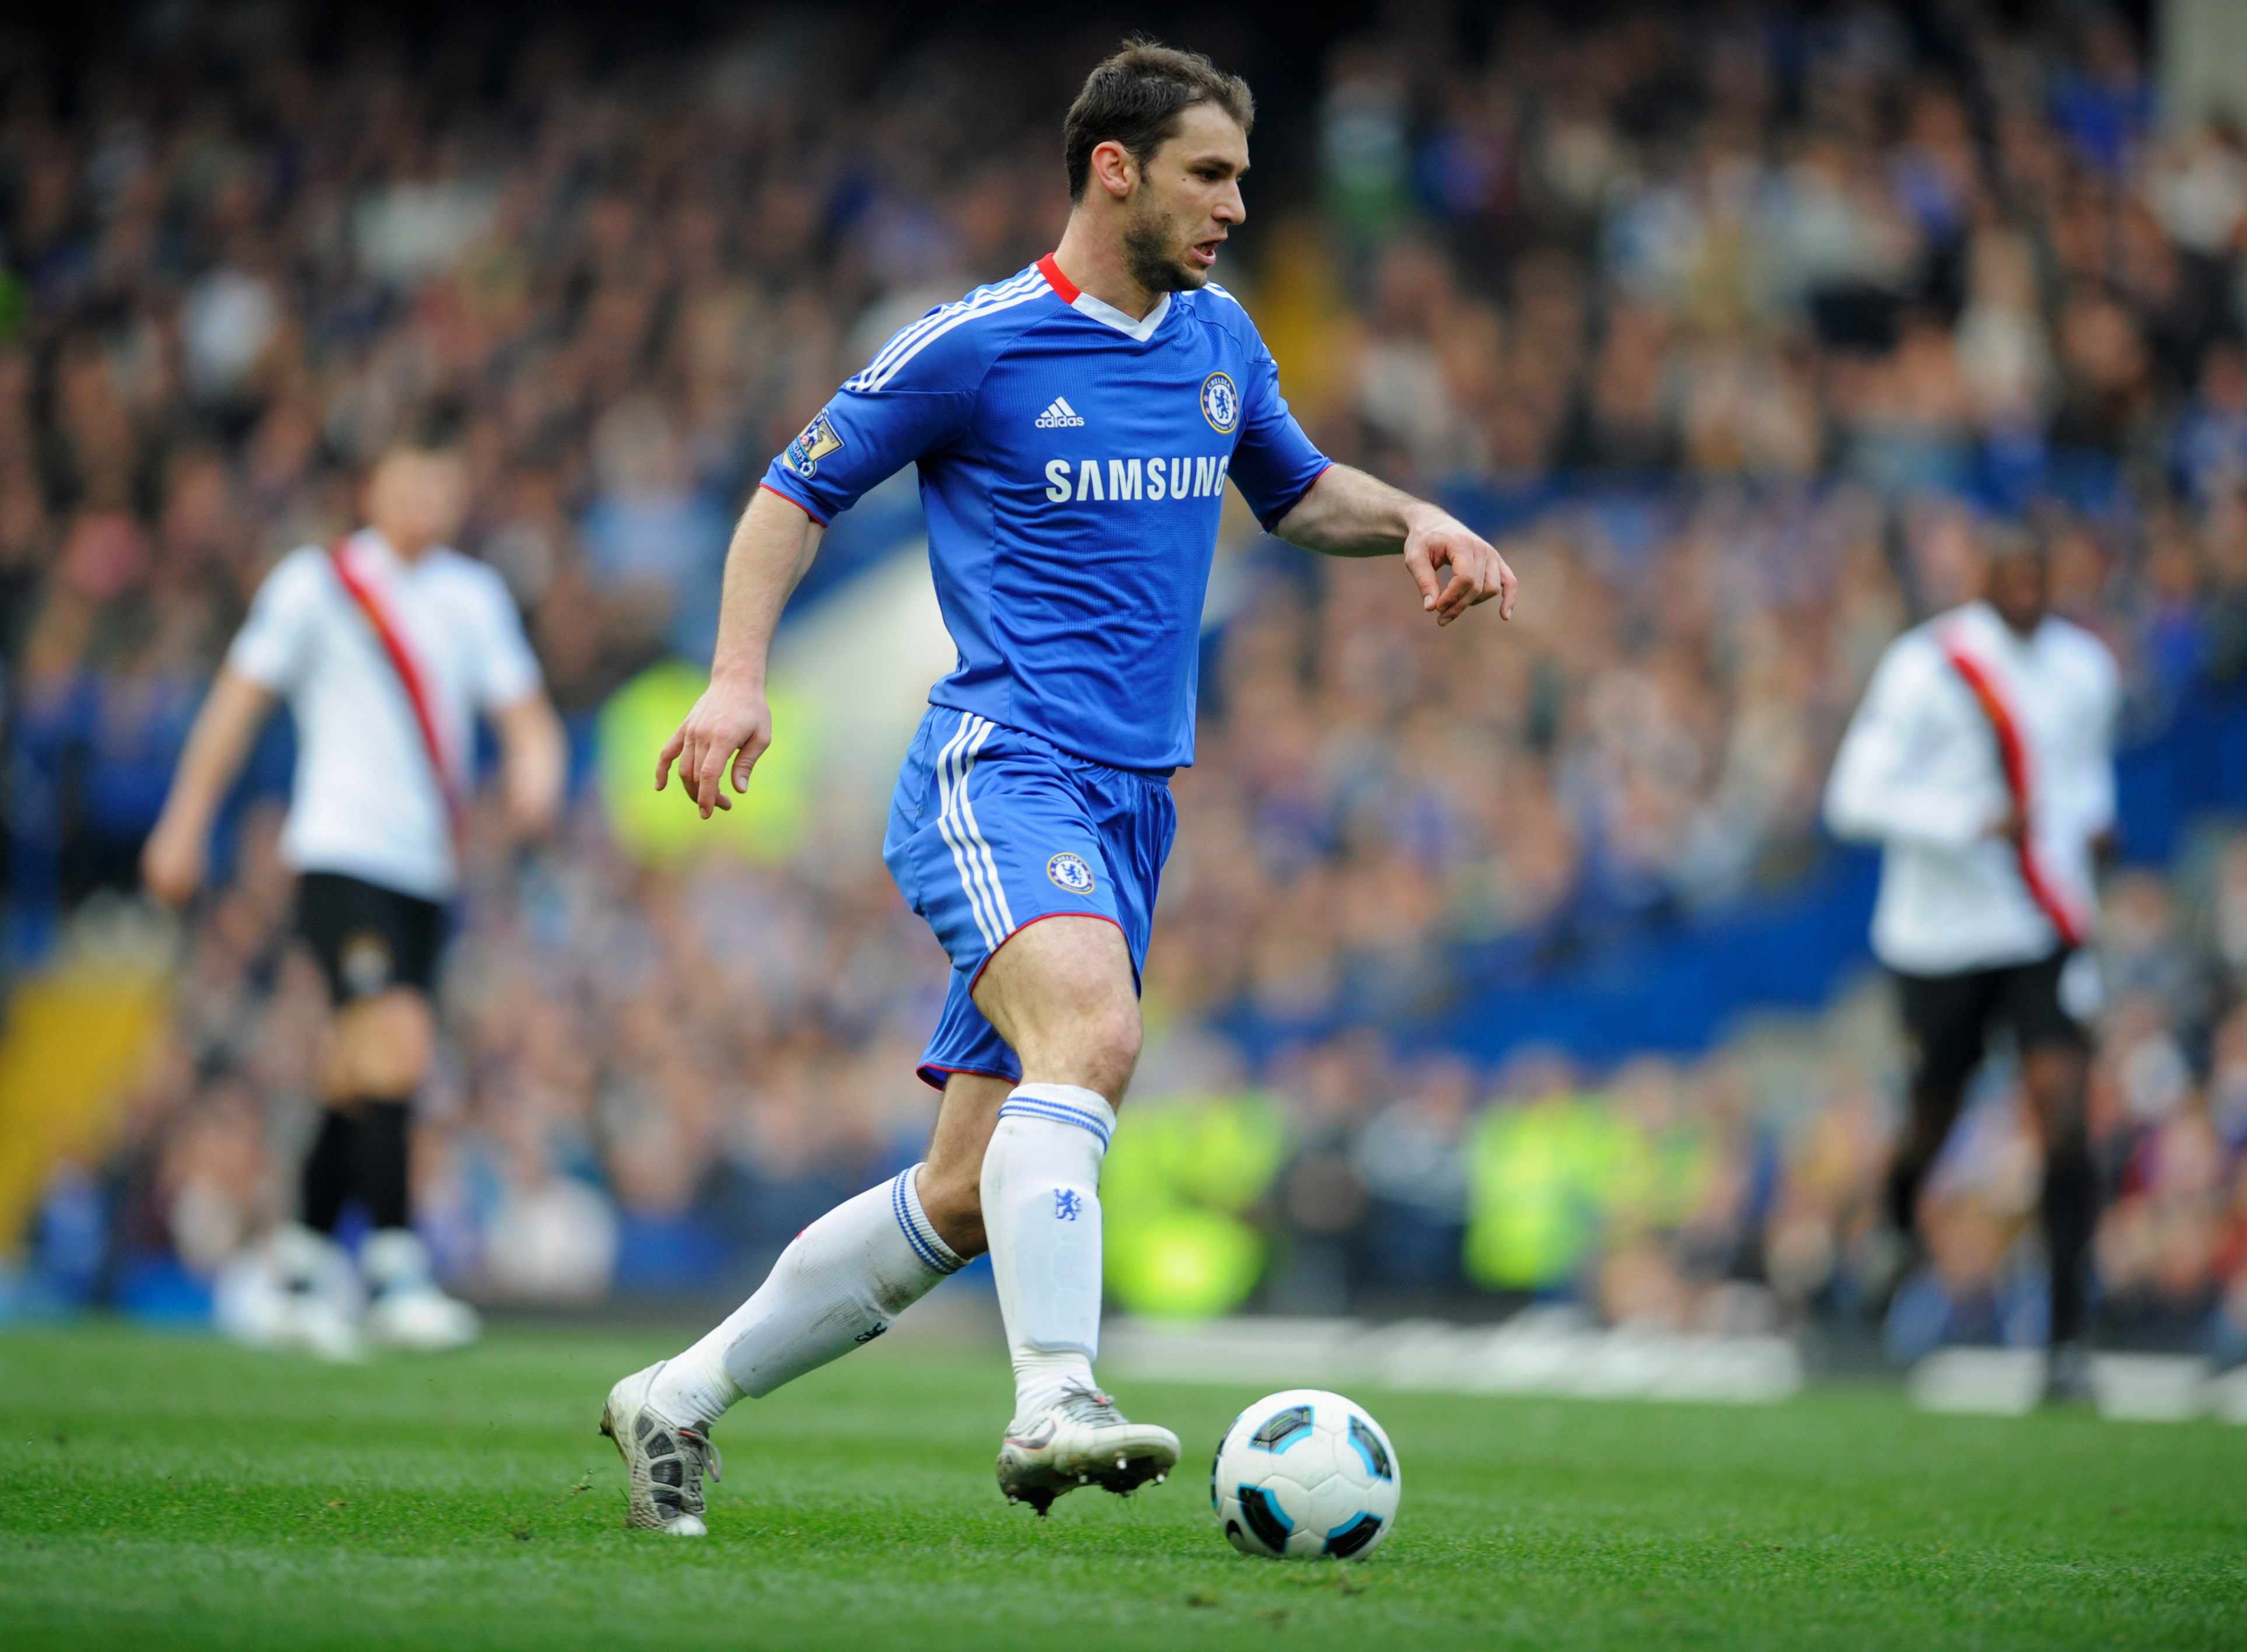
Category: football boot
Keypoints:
(408, 1311)
(663, 1461)
(1082, 1439)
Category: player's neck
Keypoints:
(405, 547)
(1093, 263)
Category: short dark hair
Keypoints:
(2003, 541)
(1138, 96)
(439, 425)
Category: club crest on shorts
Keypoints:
(817, 442)
(1220, 403)
(364, 963)
(1071, 871)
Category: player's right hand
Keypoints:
(172, 861)
(730, 724)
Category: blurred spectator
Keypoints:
(658, 540)
(1789, 301)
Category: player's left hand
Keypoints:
(730, 727)
(172, 860)
(1477, 572)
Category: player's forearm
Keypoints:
(1347, 513)
(772, 545)
(1868, 800)
(535, 758)
(217, 745)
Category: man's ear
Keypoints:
(1115, 168)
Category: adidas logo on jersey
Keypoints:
(1060, 416)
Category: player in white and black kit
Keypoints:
(388, 645)
(1981, 761)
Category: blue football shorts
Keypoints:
(992, 829)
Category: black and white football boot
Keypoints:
(1082, 1439)
(663, 1461)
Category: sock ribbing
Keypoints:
(920, 1232)
(1063, 1104)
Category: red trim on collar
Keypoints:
(1057, 281)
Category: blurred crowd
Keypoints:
(1733, 324)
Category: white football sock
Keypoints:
(839, 1286)
(1041, 1214)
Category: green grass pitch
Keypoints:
(172, 1492)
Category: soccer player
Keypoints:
(1982, 761)
(1075, 427)
(386, 645)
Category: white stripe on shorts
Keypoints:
(946, 789)
(964, 815)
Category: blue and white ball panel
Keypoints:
(992, 829)
(1304, 1474)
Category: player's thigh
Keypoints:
(381, 1045)
(367, 938)
(951, 1176)
(1060, 992)
(2028, 999)
(1137, 821)
(379, 949)
(1946, 1019)
(991, 835)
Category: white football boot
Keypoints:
(308, 1302)
(410, 1312)
(1082, 1439)
(663, 1461)
(249, 1300)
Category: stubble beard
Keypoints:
(1154, 254)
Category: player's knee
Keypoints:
(2055, 1071)
(1085, 1032)
(2053, 1077)
(384, 1043)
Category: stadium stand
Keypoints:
(1465, 931)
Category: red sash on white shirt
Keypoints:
(2013, 758)
(410, 677)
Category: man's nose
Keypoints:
(1230, 208)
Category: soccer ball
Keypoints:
(1305, 1473)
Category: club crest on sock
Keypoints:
(1068, 1204)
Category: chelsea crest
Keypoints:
(1071, 872)
(1220, 403)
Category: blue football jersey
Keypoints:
(1073, 464)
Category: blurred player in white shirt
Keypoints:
(387, 647)
(1981, 761)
